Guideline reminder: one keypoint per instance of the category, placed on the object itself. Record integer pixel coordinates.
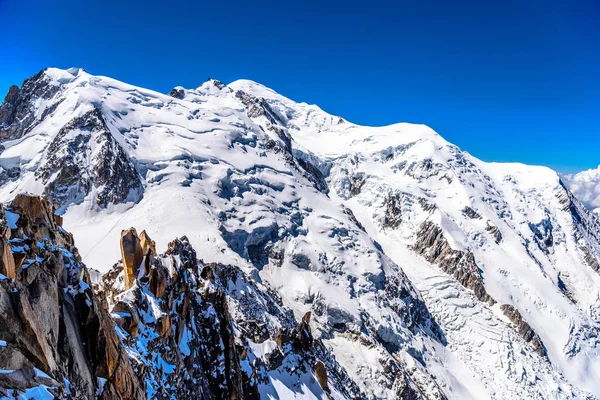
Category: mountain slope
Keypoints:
(340, 219)
(511, 233)
(170, 332)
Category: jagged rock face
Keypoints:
(469, 212)
(495, 232)
(56, 337)
(524, 328)
(177, 93)
(430, 243)
(17, 116)
(85, 156)
(393, 212)
(7, 262)
(321, 374)
(200, 335)
(147, 243)
(258, 108)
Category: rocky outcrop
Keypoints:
(177, 93)
(524, 329)
(470, 213)
(84, 158)
(321, 374)
(589, 258)
(393, 211)
(132, 254)
(194, 332)
(494, 231)
(147, 243)
(258, 107)
(7, 261)
(57, 338)
(399, 207)
(432, 245)
(17, 116)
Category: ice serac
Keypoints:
(427, 273)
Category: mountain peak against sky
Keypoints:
(426, 271)
(400, 201)
(487, 76)
(252, 86)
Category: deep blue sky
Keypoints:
(505, 80)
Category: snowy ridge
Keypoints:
(341, 220)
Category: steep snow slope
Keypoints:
(503, 255)
(526, 238)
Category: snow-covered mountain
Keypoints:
(428, 272)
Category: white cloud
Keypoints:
(585, 186)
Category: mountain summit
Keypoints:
(375, 262)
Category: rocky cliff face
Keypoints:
(84, 157)
(56, 338)
(18, 111)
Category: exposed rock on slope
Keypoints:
(131, 256)
(84, 157)
(55, 336)
(218, 334)
(179, 333)
(18, 111)
(524, 329)
(435, 248)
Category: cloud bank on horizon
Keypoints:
(585, 186)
